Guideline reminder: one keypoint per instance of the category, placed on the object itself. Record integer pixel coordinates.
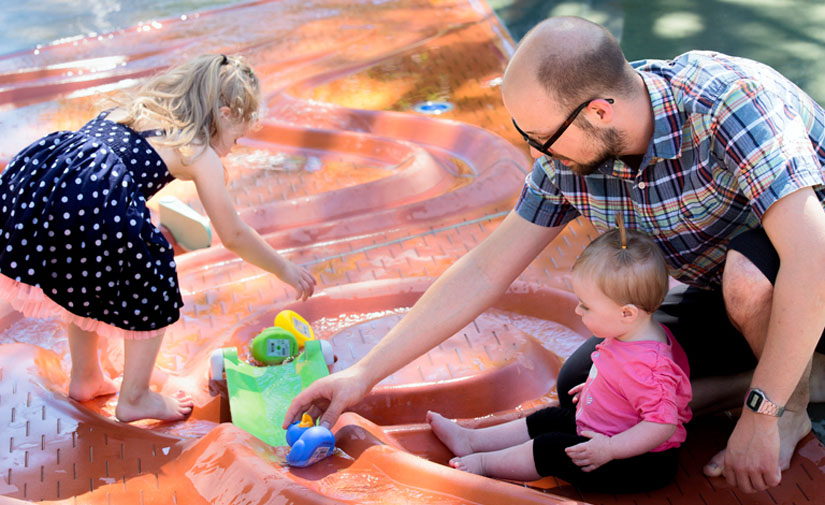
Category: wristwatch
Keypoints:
(758, 402)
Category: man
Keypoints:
(695, 151)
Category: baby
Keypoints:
(624, 432)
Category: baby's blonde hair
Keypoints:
(634, 274)
(186, 100)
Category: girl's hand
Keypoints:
(593, 453)
(574, 392)
(299, 278)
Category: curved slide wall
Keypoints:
(377, 200)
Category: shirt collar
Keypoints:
(666, 142)
(667, 129)
(667, 119)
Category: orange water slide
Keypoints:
(377, 199)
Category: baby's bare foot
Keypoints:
(454, 436)
(84, 389)
(471, 463)
(151, 405)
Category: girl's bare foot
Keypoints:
(151, 405)
(84, 389)
(471, 463)
(455, 437)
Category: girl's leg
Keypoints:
(136, 400)
(87, 377)
(514, 463)
(463, 441)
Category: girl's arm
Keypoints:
(208, 174)
(632, 442)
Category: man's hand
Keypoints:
(752, 455)
(593, 453)
(328, 397)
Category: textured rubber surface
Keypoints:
(377, 200)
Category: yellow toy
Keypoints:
(295, 324)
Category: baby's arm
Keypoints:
(208, 175)
(632, 442)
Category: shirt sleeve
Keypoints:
(765, 144)
(658, 394)
(541, 202)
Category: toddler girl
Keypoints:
(629, 419)
(76, 238)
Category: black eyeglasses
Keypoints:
(543, 148)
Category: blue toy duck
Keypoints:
(308, 443)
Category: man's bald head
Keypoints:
(572, 59)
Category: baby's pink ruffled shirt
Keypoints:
(631, 382)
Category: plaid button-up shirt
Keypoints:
(731, 137)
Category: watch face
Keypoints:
(754, 400)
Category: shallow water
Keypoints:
(27, 25)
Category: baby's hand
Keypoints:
(299, 278)
(574, 392)
(593, 453)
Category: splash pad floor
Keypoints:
(378, 200)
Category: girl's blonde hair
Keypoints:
(628, 269)
(185, 101)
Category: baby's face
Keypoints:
(601, 315)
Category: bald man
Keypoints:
(720, 160)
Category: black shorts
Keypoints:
(553, 429)
(698, 320)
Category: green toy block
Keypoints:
(273, 345)
(260, 396)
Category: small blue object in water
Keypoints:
(309, 444)
(430, 107)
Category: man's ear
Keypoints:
(629, 313)
(601, 109)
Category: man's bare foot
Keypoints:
(793, 427)
(716, 465)
(471, 463)
(151, 405)
(455, 437)
(817, 382)
(84, 389)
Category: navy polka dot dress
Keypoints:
(74, 223)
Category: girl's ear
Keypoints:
(629, 313)
(225, 112)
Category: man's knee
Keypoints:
(746, 290)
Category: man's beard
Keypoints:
(611, 141)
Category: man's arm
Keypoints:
(460, 294)
(795, 225)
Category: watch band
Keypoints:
(758, 401)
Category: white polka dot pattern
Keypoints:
(74, 222)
